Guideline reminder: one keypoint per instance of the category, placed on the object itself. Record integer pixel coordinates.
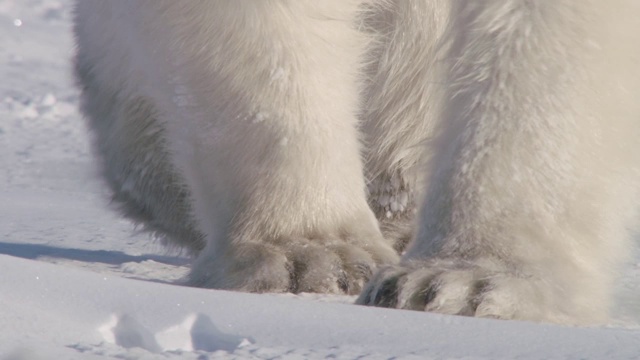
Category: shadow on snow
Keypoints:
(36, 251)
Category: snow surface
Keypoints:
(78, 282)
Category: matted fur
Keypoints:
(266, 137)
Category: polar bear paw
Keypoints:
(468, 288)
(337, 266)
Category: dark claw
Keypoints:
(387, 294)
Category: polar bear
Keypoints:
(299, 145)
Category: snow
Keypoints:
(79, 282)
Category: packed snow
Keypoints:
(79, 282)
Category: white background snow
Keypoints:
(78, 282)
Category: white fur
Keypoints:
(231, 129)
(534, 178)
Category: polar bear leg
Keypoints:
(253, 107)
(268, 143)
(534, 182)
(400, 108)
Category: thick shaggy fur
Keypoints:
(279, 140)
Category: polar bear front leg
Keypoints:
(532, 184)
(267, 139)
